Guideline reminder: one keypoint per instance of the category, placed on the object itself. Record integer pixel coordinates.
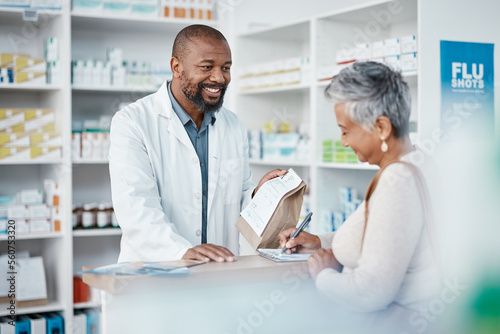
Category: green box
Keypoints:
(327, 156)
(327, 145)
(340, 157)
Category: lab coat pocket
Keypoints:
(231, 180)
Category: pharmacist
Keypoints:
(179, 160)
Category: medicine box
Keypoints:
(51, 49)
(93, 321)
(30, 78)
(40, 225)
(409, 62)
(46, 4)
(22, 226)
(38, 324)
(17, 211)
(378, 49)
(6, 327)
(79, 322)
(87, 5)
(15, 3)
(23, 324)
(408, 44)
(38, 211)
(392, 47)
(394, 62)
(55, 323)
(29, 64)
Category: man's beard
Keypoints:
(200, 103)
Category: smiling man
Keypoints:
(179, 160)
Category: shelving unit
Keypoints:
(97, 232)
(87, 36)
(51, 306)
(318, 38)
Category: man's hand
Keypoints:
(269, 176)
(321, 259)
(303, 243)
(207, 252)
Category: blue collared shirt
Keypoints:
(199, 139)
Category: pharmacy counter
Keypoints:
(252, 295)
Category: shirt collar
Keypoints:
(183, 115)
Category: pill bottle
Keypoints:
(114, 221)
(76, 218)
(102, 216)
(89, 215)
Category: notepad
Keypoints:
(275, 255)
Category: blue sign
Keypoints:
(467, 90)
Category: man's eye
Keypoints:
(226, 68)
(206, 67)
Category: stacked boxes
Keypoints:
(278, 146)
(117, 72)
(27, 134)
(91, 142)
(24, 69)
(289, 71)
(188, 9)
(333, 151)
(398, 53)
(34, 4)
(30, 212)
(174, 9)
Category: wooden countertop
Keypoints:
(248, 269)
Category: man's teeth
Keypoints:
(213, 90)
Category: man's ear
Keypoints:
(383, 126)
(176, 67)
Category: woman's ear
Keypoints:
(176, 67)
(383, 126)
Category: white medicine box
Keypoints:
(408, 44)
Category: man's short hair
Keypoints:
(181, 42)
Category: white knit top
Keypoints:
(396, 263)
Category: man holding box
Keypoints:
(179, 160)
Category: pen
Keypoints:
(302, 226)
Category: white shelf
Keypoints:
(32, 162)
(410, 77)
(90, 162)
(6, 12)
(32, 88)
(343, 165)
(97, 232)
(91, 304)
(34, 236)
(280, 163)
(126, 89)
(294, 31)
(52, 306)
(285, 88)
(127, 22)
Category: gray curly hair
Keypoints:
(370, 90)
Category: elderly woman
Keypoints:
(381, 256)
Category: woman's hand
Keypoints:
(303, 243)
(320, 260)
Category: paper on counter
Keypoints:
(275, 255)
(259, 211)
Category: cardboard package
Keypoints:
(285, 215)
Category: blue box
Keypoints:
(93, 322)
(55, 323)
(23, 325)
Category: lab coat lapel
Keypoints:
(175, 127)
(215, 142)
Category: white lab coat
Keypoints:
(156, 180)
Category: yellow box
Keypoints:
(6, 113)
(29, 64)
(33, 78)
(7, 59)
(29, 153)
(14, 139)
(29, 127)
